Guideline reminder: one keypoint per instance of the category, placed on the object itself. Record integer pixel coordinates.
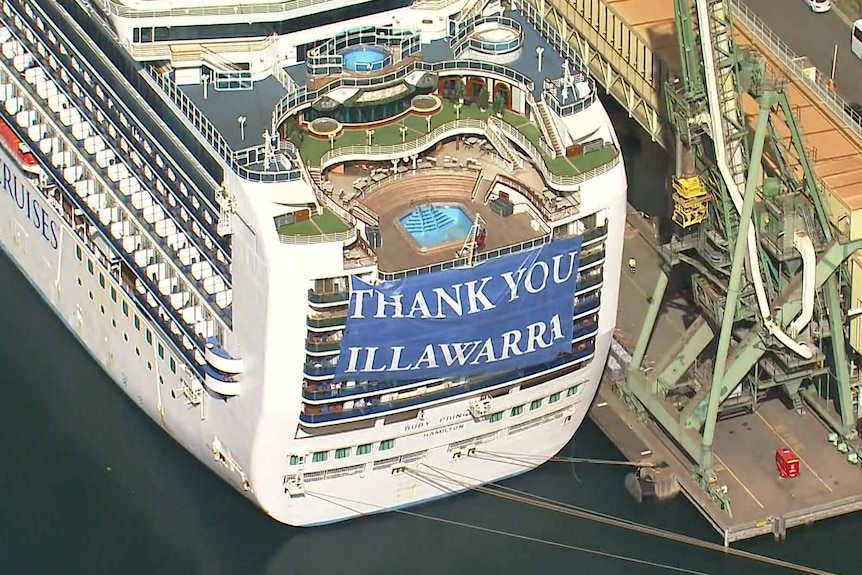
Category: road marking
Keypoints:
(738, 480)
(779, 436)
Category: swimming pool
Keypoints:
(430, 225)
(365, 59)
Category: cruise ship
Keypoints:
(353, 255)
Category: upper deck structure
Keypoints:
(493, 119)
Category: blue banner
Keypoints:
(501, 315)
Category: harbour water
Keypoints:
(90, 485)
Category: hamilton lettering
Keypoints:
(19, 191)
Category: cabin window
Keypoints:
(554, 398)
(320, 457)
(535, 404)
(495, 417)
(363, 449)
(517, 410)
(388, 444)
(342, 453)
(572, 391)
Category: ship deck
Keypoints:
(223, 108)
(451, 186)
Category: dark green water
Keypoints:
(157, 511)
(89, 485)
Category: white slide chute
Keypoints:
(736, 189)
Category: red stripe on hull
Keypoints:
(26, 160)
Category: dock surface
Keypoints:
(760, 502)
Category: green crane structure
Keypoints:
(766, 263)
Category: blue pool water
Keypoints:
(433, 224)
(365, 59)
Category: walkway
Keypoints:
(631, 47)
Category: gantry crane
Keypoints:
(755, 235)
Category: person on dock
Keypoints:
(633, 265)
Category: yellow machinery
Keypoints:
(690, 201)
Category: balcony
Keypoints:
(328, 297)
(585, 328)
(591, 259)
(221, 360)
(599, 233)
(587, 305)
(319, 345)
(590, 282)
(221, 383)
(324, 414)
(320, 369)
(328, 319)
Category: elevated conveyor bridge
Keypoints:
(631, 48)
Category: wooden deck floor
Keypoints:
(398, 252)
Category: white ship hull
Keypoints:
(378, 485)
(256, 441)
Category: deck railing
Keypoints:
(291, 103)
(346, 237)
(457, 262)
(466, 125)
(199, 121)
(555, 180)
(115, 8)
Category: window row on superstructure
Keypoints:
(121, 299)
(201, 33)
(512, 414)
